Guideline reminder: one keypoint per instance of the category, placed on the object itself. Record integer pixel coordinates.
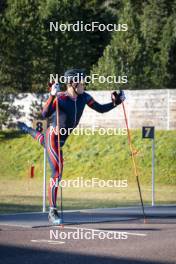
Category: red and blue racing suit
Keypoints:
(70, 112)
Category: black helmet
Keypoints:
(75, 75)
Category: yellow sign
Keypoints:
(40, 125)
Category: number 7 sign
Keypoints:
(148, 132)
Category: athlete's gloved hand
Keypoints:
(55, 88)
(118, 97)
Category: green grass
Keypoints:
(92, 156)
(103, 157)
(26, 195)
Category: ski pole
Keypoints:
(133, 161)
(59, 154)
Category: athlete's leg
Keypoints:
(56, 176)
(34, 133)
(52, 150)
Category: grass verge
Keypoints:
(103, 157)
(26, 196)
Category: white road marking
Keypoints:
(135, 234)
(47, 241)
(99, 230)
(15, 225)
(83, 228)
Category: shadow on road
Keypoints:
(15, 254)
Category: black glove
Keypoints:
(118, 97)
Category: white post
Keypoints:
(44, 176)
(153, 172)
(128, 111)
(168, 109)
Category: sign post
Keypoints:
(149, 132)
(41, 126)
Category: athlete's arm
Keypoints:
(49, 107)
(101, 108)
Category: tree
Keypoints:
(145, 53)
(122, 56)
(30, 51)
(157, 28)
(72, 49)
(20, 44)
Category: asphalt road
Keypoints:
(154, 242)
(111, 235)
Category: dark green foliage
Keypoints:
(146, 53)
(30, 52)
(20, 41)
